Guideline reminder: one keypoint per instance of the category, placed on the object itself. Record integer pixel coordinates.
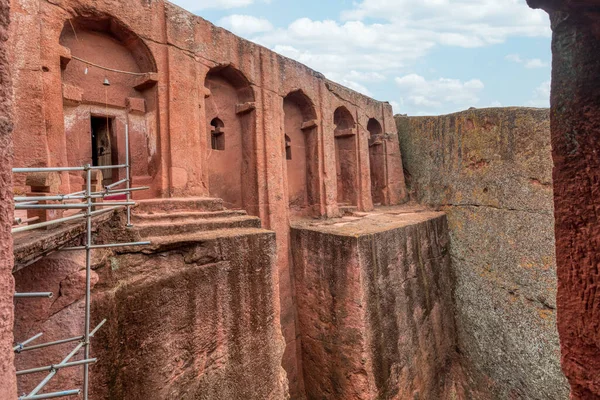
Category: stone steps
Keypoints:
(162, 243)
(169, 205)
(182, 216)
(168, 218)
(185, 226)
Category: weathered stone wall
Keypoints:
(7, 370)
(490, 171)
(575, 123)
(186, 319)
(199, 321)
(375, 313)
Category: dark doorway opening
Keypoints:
(217, 135)
(102, 146)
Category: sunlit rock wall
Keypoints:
(375, 309)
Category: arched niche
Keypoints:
(377, 161)
(109, 82)
(346, 157)
(302, 154)
(231, 162)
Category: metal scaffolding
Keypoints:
(85, 206)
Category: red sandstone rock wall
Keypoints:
(7, 370)
(575, 121)
(490, 170)
(375, 308)
(198, 321)
(189, 319)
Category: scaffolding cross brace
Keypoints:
(85, 212)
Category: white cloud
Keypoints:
(355, 86)
(535, 63)
(528, 63)
(349, 81)
(405, 31)
(396, 107)
(514, 58)
(196, 5)
(356, 80)
(541, 96)
(469, 22)
(351, 46)
(375, 40)
(433, 95)
(369, 77)
(245, 24)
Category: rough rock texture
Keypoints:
(7, 370)
(575, 122)
(191, 320)
(490, 170)
(375, 312)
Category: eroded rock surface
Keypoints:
(192, 320)
(490, 171)
(575, 122)
(374, 306)
(7, 369)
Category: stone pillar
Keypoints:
(575, 123)
(8, 381)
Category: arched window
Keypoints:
(377, 161)
(232, 173)
(346, 157)
(217, 134)
(300, 128)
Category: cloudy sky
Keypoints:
(426, 57)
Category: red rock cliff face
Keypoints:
(7, 370)
(575, 123)
(374, 306)
(193, 320)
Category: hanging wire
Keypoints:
(107, 68)
(74, 31)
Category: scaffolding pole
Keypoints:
(73, 206)
(88, 274)
(53, 395)
(127, 175)
(59, 342)
(64, 361)
(49, 368)
(20, 346)
(106, 246)
(61, 220)
(33, 295)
